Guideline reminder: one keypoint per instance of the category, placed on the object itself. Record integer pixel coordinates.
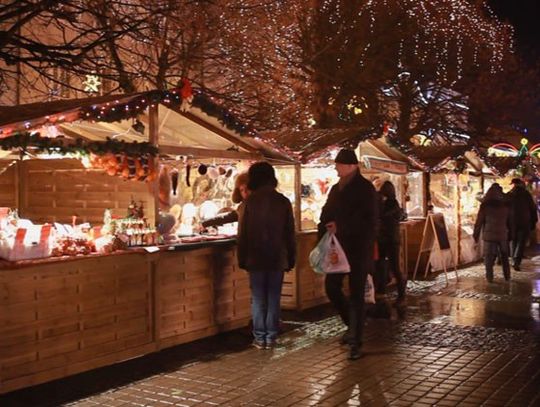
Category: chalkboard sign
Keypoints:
(434, 241)
(440, 229)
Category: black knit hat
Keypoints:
(346, 156)
(517, 181)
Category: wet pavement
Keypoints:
(470, 343)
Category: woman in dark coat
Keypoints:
(389, 241)
(494, 222)
(266, 249)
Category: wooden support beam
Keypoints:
(220, 132)
(208, 153)
(153, 131)
(298, 196)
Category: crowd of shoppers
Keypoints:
(366, 223)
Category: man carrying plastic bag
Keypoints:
(351, 214)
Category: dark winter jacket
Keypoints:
(266, 235)
(494, 220)
(355, 210)
(390, 214)
(523, 210)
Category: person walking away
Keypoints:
(524, 217)
(351, 212)
(494, 222)
(239, 195)
(389, 242)
(266, 249)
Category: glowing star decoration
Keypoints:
(92, 84)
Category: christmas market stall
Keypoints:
(316, 149)
(455, 188)
(101, 199)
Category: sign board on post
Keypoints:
(434, 241)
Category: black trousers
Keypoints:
(491, 251)
(389, 259)
(518, 244)
(351, 309)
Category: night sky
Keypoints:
(524, 15)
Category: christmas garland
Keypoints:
(63, 146)
(182, 97)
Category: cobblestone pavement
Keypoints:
(470, 343)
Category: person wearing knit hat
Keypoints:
(351, 213)
(346, 156)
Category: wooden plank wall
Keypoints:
(302, 287)
(66, 317)
(199, 293)
(55, 190)
(8, 188)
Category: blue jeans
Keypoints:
(265, 304)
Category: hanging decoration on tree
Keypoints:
(352, 109)
(92, 84)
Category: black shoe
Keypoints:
(344, 340)
(354, 353)
(517, 267)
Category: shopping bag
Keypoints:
(335, 260)
(328, 256)
(317, 255)
(369, 290)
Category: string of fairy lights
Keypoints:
(451, 35)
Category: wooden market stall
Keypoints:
(455, 187)
(64, 315)
(302, 287)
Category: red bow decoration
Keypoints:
(186, 91)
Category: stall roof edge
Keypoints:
(35, 115)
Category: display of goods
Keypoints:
(135, 232)
(70, 246)
(133, 168)
(25, 243)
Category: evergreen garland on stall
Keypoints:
(60, 145)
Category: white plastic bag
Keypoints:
(369, 290)
(335, 258)
(328, 256)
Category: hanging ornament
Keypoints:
(174, 180)
(203, 169)
(213, 173)
(188, 173)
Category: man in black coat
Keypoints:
(524, 217)
(351, 212)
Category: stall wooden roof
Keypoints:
(203, 129)
(309, 144)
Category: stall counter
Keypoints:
(62, 316)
